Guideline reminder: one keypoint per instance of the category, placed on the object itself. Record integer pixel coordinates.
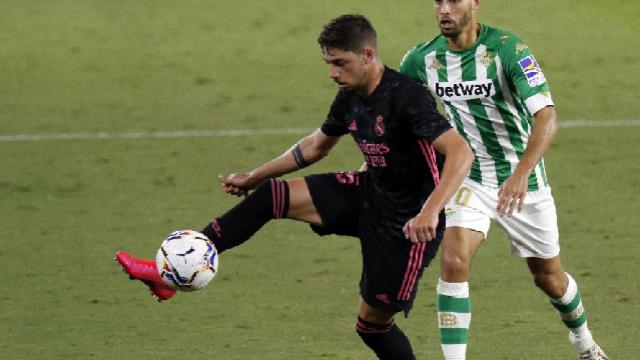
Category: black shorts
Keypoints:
(392, 265)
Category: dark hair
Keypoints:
(350, 32)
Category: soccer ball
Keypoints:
(187, 260)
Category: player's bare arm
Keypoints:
(307, 151)
(458, 159)
(514, 189)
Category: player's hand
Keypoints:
(421, 228)
(511, 194)
(237, 184)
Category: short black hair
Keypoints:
(351, 32)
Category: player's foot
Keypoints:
(145, 271)
(594, 353)
(587, 348)
(160, 292)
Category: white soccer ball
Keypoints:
(187, 260)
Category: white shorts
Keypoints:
(532, 232)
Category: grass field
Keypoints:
(66, 206)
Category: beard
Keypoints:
(452, 29)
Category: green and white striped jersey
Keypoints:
(489, 92)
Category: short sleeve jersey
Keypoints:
(489, 92)
(393, 128)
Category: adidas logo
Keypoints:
(384, 298)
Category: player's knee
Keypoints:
(455, 267)
(366, 327)
(374, 315)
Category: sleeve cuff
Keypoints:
(333, 130)
(538, 101)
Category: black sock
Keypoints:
(269, 201)
(387, 341)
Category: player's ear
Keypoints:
(475, 4)
(369, 54)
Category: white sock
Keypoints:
(454, 317)
(570, 308)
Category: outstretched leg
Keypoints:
(273, 199)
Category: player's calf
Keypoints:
(574, 316)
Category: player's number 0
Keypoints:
(463, 196)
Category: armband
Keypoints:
(297, 156)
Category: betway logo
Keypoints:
(465, 90)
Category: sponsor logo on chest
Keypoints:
(464, 90)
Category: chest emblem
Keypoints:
(379, 126)
(435, 65)
(486, 59)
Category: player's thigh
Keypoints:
(461, 242)
(337, 200)
(301, 205)
(392, 268)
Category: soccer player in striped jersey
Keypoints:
(497, 97)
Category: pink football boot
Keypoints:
(145, 271)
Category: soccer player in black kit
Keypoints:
(415, 162)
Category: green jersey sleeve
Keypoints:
(524, 74)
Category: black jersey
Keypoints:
(394, 128)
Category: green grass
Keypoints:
(122, 66)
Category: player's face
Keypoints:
(454, 15)
(348, 69)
